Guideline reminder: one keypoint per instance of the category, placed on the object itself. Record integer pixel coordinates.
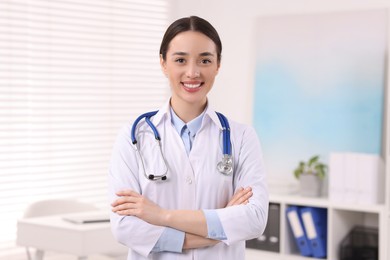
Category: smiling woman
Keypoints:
(191, 70)
(195, 210)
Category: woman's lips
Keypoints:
(192, 87)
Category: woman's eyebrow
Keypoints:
(206, 54)
(182, 53)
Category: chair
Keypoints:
(53, 207)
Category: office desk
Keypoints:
(53, 233)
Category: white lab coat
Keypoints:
(193, 183)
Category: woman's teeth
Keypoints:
(192, 85)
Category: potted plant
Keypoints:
(311, 175)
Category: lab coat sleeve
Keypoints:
(130, 231)
(244, 222)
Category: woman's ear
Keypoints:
(163, 65)
(218, 66)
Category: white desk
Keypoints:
(52, 233)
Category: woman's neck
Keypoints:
(187, 112)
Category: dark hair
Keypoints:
(192, 23)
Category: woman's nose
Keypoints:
(193, 71)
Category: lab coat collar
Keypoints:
(164, 111)
(210, 113)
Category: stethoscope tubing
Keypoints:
(227, 148)
(147, 115)
(225, 166)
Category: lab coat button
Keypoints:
(189, 180)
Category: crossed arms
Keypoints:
(192, 222)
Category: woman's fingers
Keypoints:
(126, 212)
(139, 207)
(245, 197)
(123, 207)
(126, 196)
(236, 196)
(128, 193)
(123, 200)
(241, 196)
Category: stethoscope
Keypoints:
(225, 166)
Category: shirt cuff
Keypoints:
(214, 226)
(171, 240)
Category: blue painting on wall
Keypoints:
(319, 86)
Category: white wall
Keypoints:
(235, 20)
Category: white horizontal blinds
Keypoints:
(72, 72)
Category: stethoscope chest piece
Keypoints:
(226, 165)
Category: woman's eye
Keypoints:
(206, 61)
(180, 60)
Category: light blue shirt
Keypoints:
(187, 131)
(172, 239)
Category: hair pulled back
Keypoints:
(192, 23)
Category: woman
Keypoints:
(180, 206)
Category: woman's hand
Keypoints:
(240, 197)
(132, 203)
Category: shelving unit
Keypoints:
(341, 218)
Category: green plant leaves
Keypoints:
(312, 166)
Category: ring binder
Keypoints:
(295, 223)
(315, 225)
(270, 239)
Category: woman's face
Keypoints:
(191, 66)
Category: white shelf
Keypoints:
(342, 217)
(299, 200)
(360, 208)
(325, 203)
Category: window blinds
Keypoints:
(72, 72)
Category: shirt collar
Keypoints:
(193, 126)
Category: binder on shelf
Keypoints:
(315, 224)
(356, 178)
(371, 179)
(273, 227)
(295, 223)
(270, 239)
(351, 178)
(337, 176)
(260, 243)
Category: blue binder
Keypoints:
(315, 224)
(295, 223)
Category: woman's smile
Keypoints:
(192, 86)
